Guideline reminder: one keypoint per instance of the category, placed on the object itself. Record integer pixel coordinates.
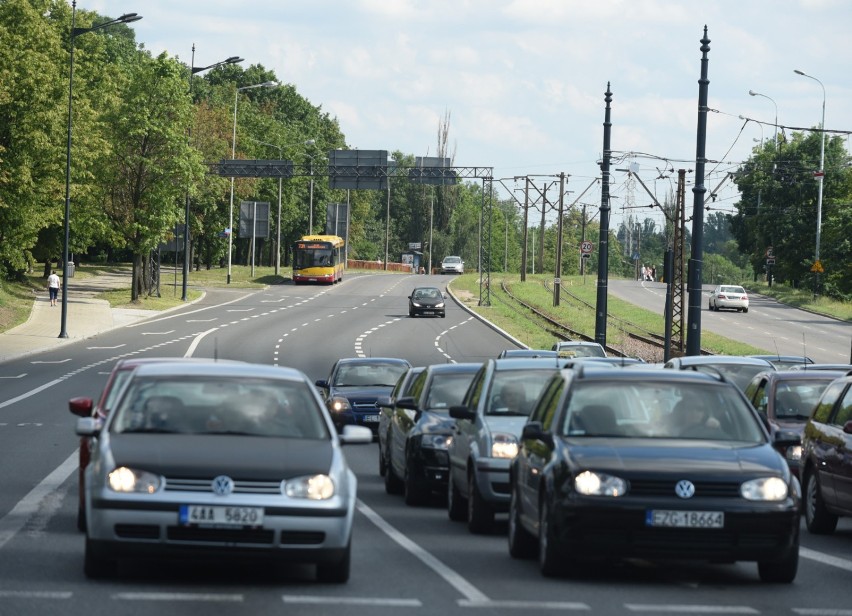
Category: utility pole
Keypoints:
(603, 241)
(526, 218)
(557, 280)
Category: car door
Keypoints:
(464, 430)
(841, 462)
(401, 423)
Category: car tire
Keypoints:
(745, 310)
(818, 519)
(96, 564)
(480, 515)
(709, 306)
(521, 542)
(383, 463)
(416, 491)
(549, 561)
(336, 573)
(456, 507)
(393, 485)
(782, 571)
(411, 314)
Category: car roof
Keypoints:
(591, 372)
(518, 353)
(427, 287)
(819, 367)
(698, 360)
(800, 375)
(461, 368)
(535, 363)
(219, 368)
(804, 359)
(128, 363)
(373, 360)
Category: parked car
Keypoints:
(578, 348)
(386, 406)
(827, 459)
(815, 367)
(488, 423)
(355, 384)
(420, 430)
(739, 370)
(728, 296)
(786, 399)
(427, 301)
(83, 406)
(452, 265)
(784, 362)
(651, 464)
(219, 460)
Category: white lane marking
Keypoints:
(58, 361)
(316, 600)
(825, 559)
(20, 376)
(468, 590)
(196, 341)
(239, 309)
(540, 605)
(691, 609)
(109, 348)
(36, 594)
(202, 320)
(171, 331)
(178, 596)
(816, 611)
(32, 392)
(13, 522)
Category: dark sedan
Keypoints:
(420, 430)
(827, 459)
(427, 301)
(355, 384)
(651, 464)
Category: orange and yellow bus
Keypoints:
(318, 258)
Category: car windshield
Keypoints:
(427, 294)
(739, 290)
(369, 375)
(659, 410)
(580, 350)
(447, 390)
(795, 400)
(739, 374)
(210, 406)
(515, 392)
(452, 260)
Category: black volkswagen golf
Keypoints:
(653, 464)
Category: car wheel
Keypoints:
(336, 573)
(456, 508)
(548, 552)
(818, 519)
(745, 309)
(96, 564)
(411, 314)
(782, 571)
(521, 542)
(416, 490)
(710, 306)
(392, 483)
(480, 515)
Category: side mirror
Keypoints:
(533, 431)
(356, 435)
(407, 402)
(81, 407)
(90, 426)
(384, 402)
(321, 383)
(462, 412)
(787, 438)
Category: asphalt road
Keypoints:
(405, 560)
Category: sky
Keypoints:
(523, 81)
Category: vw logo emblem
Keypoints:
(685, 489)
(222, 485)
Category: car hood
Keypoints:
(676, 457)
(209, 455)
(428, 301)
(434, 423)
(359, 394)
(512, 424)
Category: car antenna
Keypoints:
(216, 349)
(777, 352)
(804, 352)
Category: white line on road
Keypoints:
(196, 341)
(20, 376)
(376, 601)
(178, 596)
(58, 361)
(108, 348)
(36, 594)
(157, 333)
(825, 559)
(691, 609)
(32, 392)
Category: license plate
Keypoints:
(371, 418)
(684, 519)
(228, 516)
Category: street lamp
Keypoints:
(753, 93)
(309, 142)
(186, 251)
(124, 19)
(265, 84)
(821, 174)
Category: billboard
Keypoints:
(358, 169)
(254, 216)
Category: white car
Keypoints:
(452, 265)
(728, 296)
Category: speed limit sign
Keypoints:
(586, 247)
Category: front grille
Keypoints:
(703, 489)
(364, 406)
(220, 535)
(501, 487)
(302, 538)
(241, 486)
(137, 531)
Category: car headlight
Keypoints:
(417, 304)
(313, 487)
(338, 405)
(589, 483)
(764, 489)
(125, 479)
(441, 305)
(504, 445)
(794, 453)
(436, 441)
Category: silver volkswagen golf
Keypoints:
(211, 459)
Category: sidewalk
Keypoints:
(85, 317)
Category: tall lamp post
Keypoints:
(265, 84)
(753, 93)
(124, 19)
(820, 177)
(280, 148)
(186, 251)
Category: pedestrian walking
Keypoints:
(53, 287)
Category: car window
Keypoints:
(826, 402)
(844, 409)
(475, 390)
(515, 392)
(447, 390)
(545, 410)
(417, 386)
(757, 396)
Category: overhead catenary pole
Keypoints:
(696, 259)
(603, 241)
(557, 280)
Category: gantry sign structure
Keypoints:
(371, 170)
